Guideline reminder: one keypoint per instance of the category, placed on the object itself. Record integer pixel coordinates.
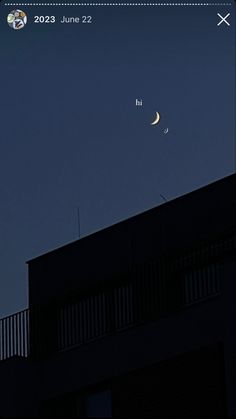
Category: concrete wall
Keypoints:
(17, 395)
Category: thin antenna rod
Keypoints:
(162, 196)
(78, 213)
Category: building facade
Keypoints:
(136, 320)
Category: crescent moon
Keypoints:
(157, 119)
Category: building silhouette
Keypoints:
(136, 320)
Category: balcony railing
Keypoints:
(149, 291)
(145, 298)
(14, 335)
(47, 330)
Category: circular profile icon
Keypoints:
(17, 19)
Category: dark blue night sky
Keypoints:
(71, 134)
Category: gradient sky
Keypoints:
(72, 136)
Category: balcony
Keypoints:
(43, 331)
(14, 335)
(150, 291)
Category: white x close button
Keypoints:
(223, 19)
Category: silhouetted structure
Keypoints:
(136, 320)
